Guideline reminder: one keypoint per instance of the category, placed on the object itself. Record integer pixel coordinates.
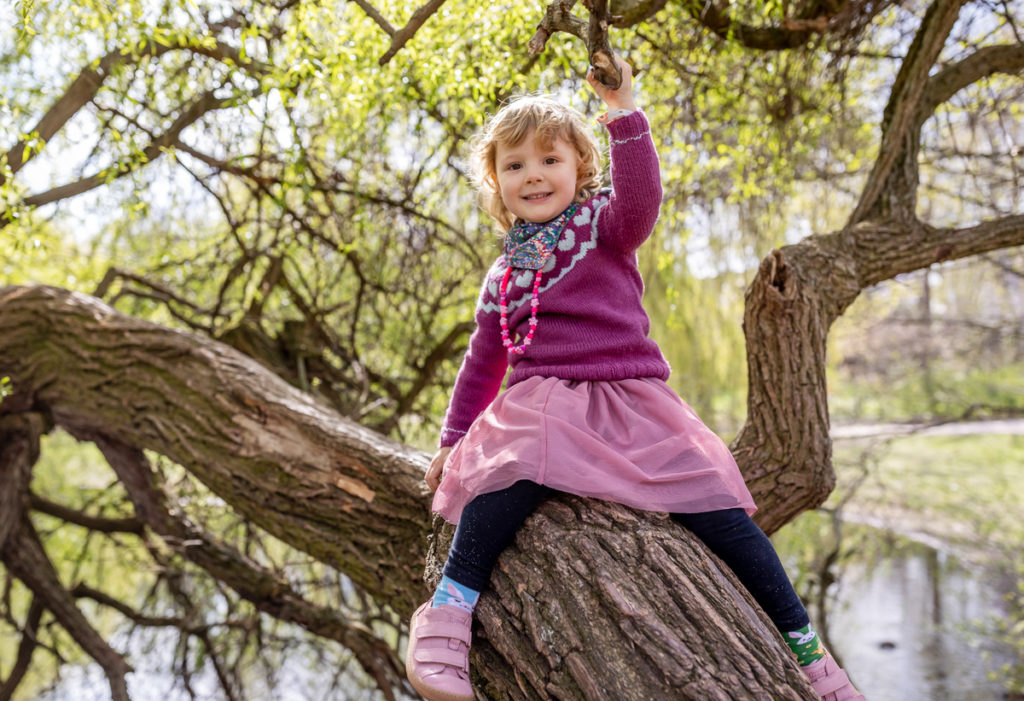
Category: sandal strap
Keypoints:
(444, 630)
(452, 658)
(832, 683)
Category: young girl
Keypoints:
(587, 410)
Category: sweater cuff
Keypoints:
(629, 128)
(450, 436)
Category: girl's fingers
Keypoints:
(433, 476)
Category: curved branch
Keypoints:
(885, 251)
(986, 61)
(899, 140)
(19, 450)
(784, 448)
(25, 558)
(349, 497)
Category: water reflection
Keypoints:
(906, 620)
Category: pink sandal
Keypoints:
(437, 662)
(830, 681)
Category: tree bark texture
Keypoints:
(597, 601)
(346, 495)
(784, 449)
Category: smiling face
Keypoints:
(537, 181)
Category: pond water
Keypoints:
(907, 621)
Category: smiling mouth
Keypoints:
(538, 196)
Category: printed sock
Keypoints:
(454, 594)
(805, 644)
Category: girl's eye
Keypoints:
(550, 160)
(513, 166)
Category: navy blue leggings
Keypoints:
(489, 522)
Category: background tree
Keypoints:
(277, 191)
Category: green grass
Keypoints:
(963, 489)
(949, 393)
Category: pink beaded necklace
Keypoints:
(528, 246)
(534, 305)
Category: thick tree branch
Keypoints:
(784, 448)
(899, 140)
(589, 587)
(885, 251)
(19, 450)
(326, 485)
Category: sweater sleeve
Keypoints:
(635, 201)
(480, 377)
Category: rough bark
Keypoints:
(19, 450)
(784, 447)
(340, 492)
(597, 601)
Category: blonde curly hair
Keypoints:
(550, 121)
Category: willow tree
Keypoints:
(287, 429)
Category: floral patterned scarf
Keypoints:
(529, 244)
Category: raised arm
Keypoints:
(628, 218)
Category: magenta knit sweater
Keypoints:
(590, 323)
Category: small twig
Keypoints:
(376, 16)
(558, 17)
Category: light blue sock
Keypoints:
(454, 594)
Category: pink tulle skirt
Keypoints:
(630, 441)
